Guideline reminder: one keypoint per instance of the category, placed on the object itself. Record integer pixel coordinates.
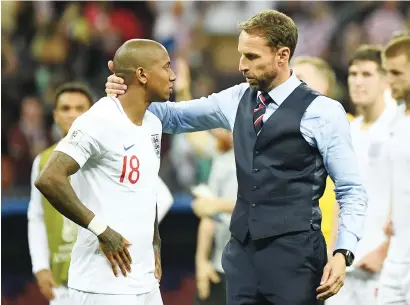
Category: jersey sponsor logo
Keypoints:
(129, 147)
(156, 144)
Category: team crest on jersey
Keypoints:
(156, 144)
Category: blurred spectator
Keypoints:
(27, 138)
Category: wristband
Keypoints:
(97, 226)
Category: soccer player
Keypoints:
(367, 84)
(320, 76)
(51, 236)
(113, 150)
(395, 168)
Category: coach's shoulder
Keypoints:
(326, 108)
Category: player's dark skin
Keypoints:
(54, 184)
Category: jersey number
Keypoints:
(134, 165)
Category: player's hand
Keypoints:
(114, 85)
(115, 249)
(373, 261)
(205, 274)
(46, 283)
(158, 266)
(204, 207)
(333, 277)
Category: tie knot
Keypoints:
(265, 98)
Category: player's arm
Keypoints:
(164, 199)
(332, 137)
(68, 157)
(205, 272)
(37, 238)
(156, 243)
(54, 184)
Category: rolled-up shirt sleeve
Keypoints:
(335, 145)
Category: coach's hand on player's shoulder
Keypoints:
(114, 85)
(115, 249)
(333, 277)
(46, 283)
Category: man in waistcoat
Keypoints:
(287, 139)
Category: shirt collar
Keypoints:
(281, 92)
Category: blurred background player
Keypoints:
(367, 84)
(317, 74)
(51, 236)
(395, 277)
(214, 204)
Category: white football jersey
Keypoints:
(368, 145)
(398, 163)
(117, 181)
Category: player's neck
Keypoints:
(373, 112)
(135, 104)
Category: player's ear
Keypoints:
(141, 75)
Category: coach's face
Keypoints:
(161, 78)
(398, 71)
(259, 63)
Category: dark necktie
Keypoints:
(263, 101)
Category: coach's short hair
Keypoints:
(278, 29)
(368, 52)
(73, 87)
(397, 46)
(321, 65)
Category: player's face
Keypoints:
(366, 83)
(312, 77)
(70, 105)
(398, 72)
(258, 62)
(161, 78)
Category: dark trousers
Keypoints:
(280, 270)
(217, 293)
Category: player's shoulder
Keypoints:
(153, 121)
(104, 110)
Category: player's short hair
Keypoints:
(321, 65)
(397, 46)
(368, 52)
(278, 29)
(73, 87)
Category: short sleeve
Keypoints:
(79, 144)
